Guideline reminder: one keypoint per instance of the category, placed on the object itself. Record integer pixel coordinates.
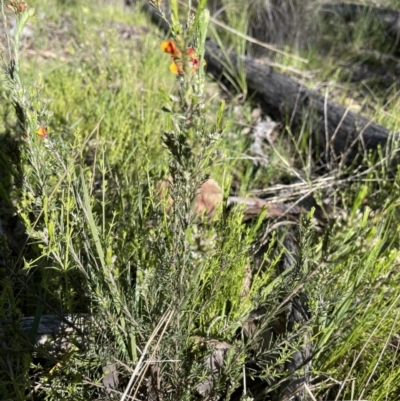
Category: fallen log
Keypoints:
(337, 132)
(334, 127)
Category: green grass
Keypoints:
(98, 242)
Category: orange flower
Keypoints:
(169, 46)
(42, 132)
(189, 56)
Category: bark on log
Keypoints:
(334, 127)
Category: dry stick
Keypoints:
(322, 182)
(166, 317)
(168, 320)
(309, 392)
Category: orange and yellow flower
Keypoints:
(42, 132)
(179, 59)
(169, 46)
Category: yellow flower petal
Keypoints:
(42, 132)
(174, 68)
